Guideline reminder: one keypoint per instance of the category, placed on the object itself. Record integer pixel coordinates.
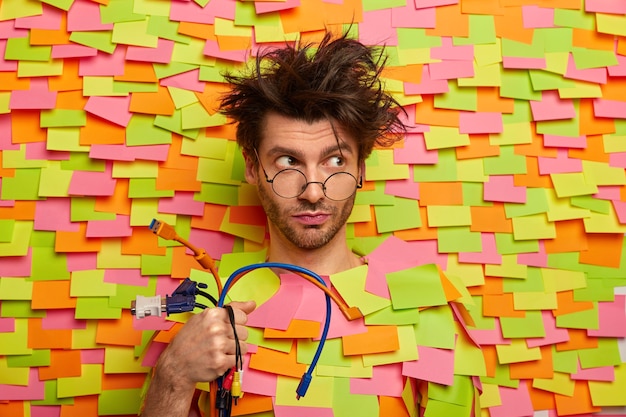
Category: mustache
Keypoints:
(308, 206)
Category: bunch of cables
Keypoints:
(227, 388)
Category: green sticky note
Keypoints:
(88, 383)
(586, 319)
(174, 124)
(23, 185)
(413, 38)
(134, 33)
(165, 28)
(585, 58)
(122, 360)
(416, 287)
(388, 316)
(142, 131)
(351, 287)
(156, 264)
(127, 87)
(119, 402)
(531, 325)
(346, 404)
(96, 308)
(192, 53)
(376, 197)
(591, 203)
(90, 283)
(332, 354)
(572, 184)
(543, 80)
(565, 361)
(216, 170)
(446, 216)
(532, 282)
(54, 181)
(581, 89)
(18, 49)
(83, 209)
(116, 11)
(404, 214)
(457, 98)
(574, 19)
(82, 162)
(222, 194)
(48, 265)
(146, 188)
(13, 376)
(16, 289)
(15, 342)
(556, 280)
(472, 170)
(596, 290)
(516, 84)
(214, 148)
(513, 48)
(508, 268)
(62, 117)
(144, 210)
(606, 354)
(435, 328)
(506, 244)
(135, 169)
(555, 39)
(195, 116)
(484, 76)
(38, 357)
(533, 227)
(506, 163)
(482, 31)
(443, 171)
(513, 134)
(458, 239)
(99, 39)
(7, 227)
(536, 203)
(380, 166)
(439, 137)
(460, 392)
(50, 395)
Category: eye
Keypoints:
(286, 161)
(336, 161)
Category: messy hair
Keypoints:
(337, 79)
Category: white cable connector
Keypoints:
(147, 306)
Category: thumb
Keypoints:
(245, 306)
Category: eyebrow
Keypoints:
(341, 147)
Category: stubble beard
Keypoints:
(305, 237)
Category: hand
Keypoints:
(203, 350)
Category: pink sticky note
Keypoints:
(561, 164)
(501, 188)
(484, 337)
(403, 188)
(129, 153)
(552, 107)
(618, 70)
(414, 151)
(293, 411)
(8, 30)
(125, 276)
(480, 122)
(434, 365)
(515, 402)
(91, 183)
(182, 203)
(187, 80)
(258, 382)
(38, 97)
(72, 51)
(278, 311)
(118, 227)
(154, 349)
(7, 325)
(35, 390)
(537, 17)
(608, 192)
(427, 85)
(421, 4)
(161, 54)
(17, 266)
(603, 373)
(92, 356)
(376, 29)
(54, 215)
(6, 143)
(49, 19)
(190, 11)
(489, 254)
(81, 261)
(592, 75)
(515, 62)
(538, 259)
(606, 6)
(612, 317)
(57, 319)
(556, 141)
(609, 108)
(449, 51)
(37, 150)
(447, 70)
(113, 109)
(271, 6)
(411, 17)
(620, 210)
(103, 64)
(84, 15)
(385, 380)
(212, 49)
(215, 243)
(553, 334)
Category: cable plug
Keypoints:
(227, 382)
(179, 303)
(235, 390)
(147, 306)
(303, 386)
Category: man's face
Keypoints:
(310, 220)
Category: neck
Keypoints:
(330, 259)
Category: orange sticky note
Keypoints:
(76, 241)
(159, 102)
(510, 25)
(490, 219)
(592, 125)
(63, 363)
(604, 249)
(392, 406)
(118, 203)
(81, 406)
(142, 242)
(542, 368)
(251, 404)
(135, 71)
(177, 179)
(210, 97)
(376, 339)
(275, 362)
(426, 113)
(69, 80)
(579, 403)
(99, 131)
(118, 332)
(570, 237)
(21, 210)
(211, 218)
(297, 329)
(441, 193)
(38, 338)
(500, 306)
(450, 21)
(25, 125)
(252, 215)
(52, 295)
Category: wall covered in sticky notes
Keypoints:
(512, 180)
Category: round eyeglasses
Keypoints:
(291, 183)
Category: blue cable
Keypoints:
(308, 375)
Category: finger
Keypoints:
(247, 306)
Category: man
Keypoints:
(307, 118)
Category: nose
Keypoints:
(313, 189)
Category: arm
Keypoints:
(203, 350)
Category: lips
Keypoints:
(311, 219)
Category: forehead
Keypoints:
(289, 133)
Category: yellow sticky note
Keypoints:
(534, 300)
(610, 394)
(560, 383)
(517, 351)
(533, 227)
(88, 383)
(319, 394)
(562, 209)
(556, 280)
(470, 274)
(18, 246)
(442, 216)
(90, 283)
(603, 223)
(13, 375)
(134, 33)
(16, 289)
(380, 166)
(110, 256)
(54, 181)
(122, 360)
(508, 268)
(439, 137)
(490, 396)
(351, 287)
(513, 134)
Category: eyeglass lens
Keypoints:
(290, 183)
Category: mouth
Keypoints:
(311, 219)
